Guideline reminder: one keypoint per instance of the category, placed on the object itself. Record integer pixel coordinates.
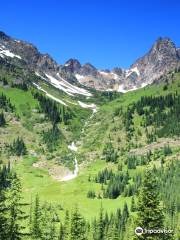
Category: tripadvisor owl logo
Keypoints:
(139, 231)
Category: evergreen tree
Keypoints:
(47, 222)
(18, 147)
(150, 214)
(16, 214)
(133, 205)
(3, 215)
(78, 226)
(91, 194)
(124, 218)
(4, 210)
(112, 233)
(61, 232)
(100, 225)
(67, 226)
(109, 153)
(36, 231)
(6, 104)
(2, 119)
(94, 229)
(52, 233)
(51, 137)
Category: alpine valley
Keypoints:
(87, 153)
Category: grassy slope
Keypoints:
(36, 180)
(102, 125)
(74, 192)
(19, 97)
(67, 194)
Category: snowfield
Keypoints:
(7, 53)
(37, 74)
(67, 87)
(79, 77)
(121, 88)
(104, 73)
(144, 85)
(49, 95)
(91, 106)
(64, 85)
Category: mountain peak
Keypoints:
(72, 65)
(160, 59)
(72, 61)
(163, 39)
(163, 43)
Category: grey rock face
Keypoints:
(178, 51)
(29, 54)
(88, 69)
(162, 58)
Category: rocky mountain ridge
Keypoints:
(161, 58)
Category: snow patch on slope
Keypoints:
(49, 95)
(104, 73)
(91, 106)
(144, 85)
(66, 86)
(109, 90)
(37, 74)
(121, 88)
(7, 53)
(79, 77)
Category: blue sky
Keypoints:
(107, 33)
